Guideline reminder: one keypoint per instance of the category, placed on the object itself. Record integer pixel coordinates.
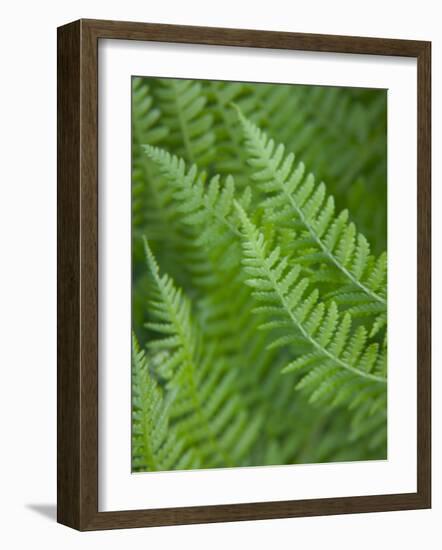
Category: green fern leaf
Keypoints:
(292, 196)
(341, 134)
(209, 413)
(334, 346)
(155, 446)
(183, 106)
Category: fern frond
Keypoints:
(324, 237)
(336, 350)
(225, 309)
(206, 208)
(151, 212)
(155, 446)
(190, 126)
(341, 135)
(145, 116)
(231, 156)
(217, 220)
(146, 128)
(208, 412)
(201, 203)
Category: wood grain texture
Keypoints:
(68, 276)
(77, 223)
(253, 38)
(424, 274)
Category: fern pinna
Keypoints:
(271, 346)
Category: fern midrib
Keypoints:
(315, 236)
(300, 327)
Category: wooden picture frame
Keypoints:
(77, 226)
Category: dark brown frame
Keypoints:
(78, 268)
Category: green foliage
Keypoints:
(155, 445)
(266, 341)
(208, 411)
(183, 107)
(322, 237)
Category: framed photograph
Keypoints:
(234, 342)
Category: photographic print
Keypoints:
(222, 274)
(222, 342)
(259, 274)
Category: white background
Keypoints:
(27, 299)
